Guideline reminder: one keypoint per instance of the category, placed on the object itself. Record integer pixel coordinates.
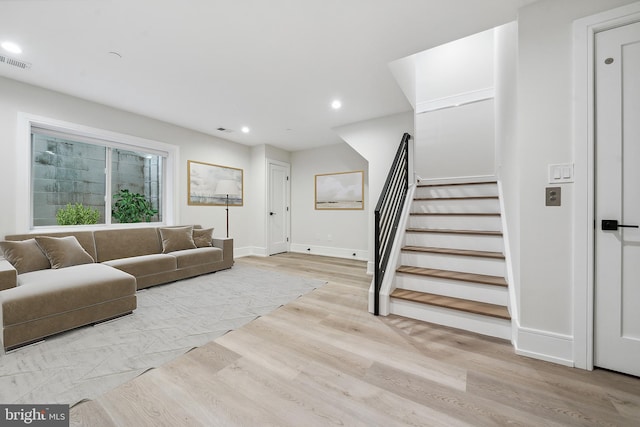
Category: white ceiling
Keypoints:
(272, 65)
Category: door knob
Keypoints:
(272, 213)
(612, 224)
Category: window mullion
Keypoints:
(108, 190)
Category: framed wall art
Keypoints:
(342, 190)
(214, 185)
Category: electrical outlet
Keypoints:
(553, 196)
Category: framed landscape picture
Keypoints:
(209, 185)
(342, 190)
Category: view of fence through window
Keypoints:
(65, 172)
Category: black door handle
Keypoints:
(612, 224)
(272, 213)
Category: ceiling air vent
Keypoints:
(224, 130)
(10, 61)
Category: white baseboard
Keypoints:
(544, 345)
(371, 267)
(248, 251)
(358, 254)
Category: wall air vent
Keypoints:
(10, 61)
(224, 130)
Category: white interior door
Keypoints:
(278, 206)
(617, 275)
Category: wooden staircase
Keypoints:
(453, 267)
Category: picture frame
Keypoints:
(339, 191)
(210, 184)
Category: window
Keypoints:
(71, 165)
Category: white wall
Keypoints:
(544, 134)
(454, 140)
(18, 97)
(377, 141)
(326, 232)
(457, 67)
(259, 177)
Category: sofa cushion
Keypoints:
(25, 255)
(49, 292)
(203, 237)
(126, 243)
(63, 251)
(190, 257)
(85, 238)
(176, 238)
(145, 265)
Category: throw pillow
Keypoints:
(25, 255)
(203, 237)
(177, 239)
(63, 251)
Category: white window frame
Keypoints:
(24, 199)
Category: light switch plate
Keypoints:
(560, 173)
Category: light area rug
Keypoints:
(170, 320)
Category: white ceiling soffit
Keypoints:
(274, 66)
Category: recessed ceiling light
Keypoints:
(336, 104)
(245, 129)
(11, 47)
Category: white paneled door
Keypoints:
(278, 205)
(617, 237)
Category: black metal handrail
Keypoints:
(388, 212)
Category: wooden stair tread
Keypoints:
(457, 184)
(449, 231)
(456, 213)
(475, 307)
(422, 199)
(453, 275)
(449, 251)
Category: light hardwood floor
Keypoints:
(324, 360)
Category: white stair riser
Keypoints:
(498, 295)
(448, 206)
(485, 325)
(440, 222)
(464, 264)
(458, 191)
(456, 241)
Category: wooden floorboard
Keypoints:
(324, 360)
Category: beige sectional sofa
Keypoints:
(53, 282)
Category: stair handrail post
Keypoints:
(398, 180)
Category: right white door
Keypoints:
(617, 251)
(278, 204)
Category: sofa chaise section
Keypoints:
(50, 301)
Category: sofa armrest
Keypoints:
(227, 247)
(8, 275)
